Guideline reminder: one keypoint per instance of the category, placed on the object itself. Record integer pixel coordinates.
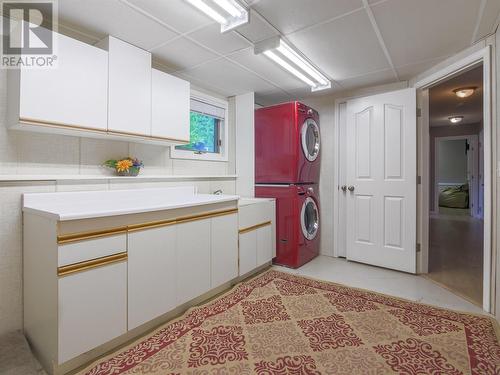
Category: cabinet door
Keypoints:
(151, 274)
(92, 309)
(248, 252)
(264, 245)
(224, 249)
(170, 107)
(129, 88)
(193, 259)
(74, 93)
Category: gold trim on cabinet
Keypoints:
(153, 137)
(254, 227)
(82, 236)
(90, 264)
(61, 125)
(76, 237)
(207, 215)
(151, 224)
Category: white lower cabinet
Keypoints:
(224, 259)
(248, 252)
(264, 245)
(151, 274)
(92, 309)
(256, 248)
(193, 259)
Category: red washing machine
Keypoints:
(297, 224)
(287, 144)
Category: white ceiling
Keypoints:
(443, 103)
(355, 42)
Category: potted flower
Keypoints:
(126, 166)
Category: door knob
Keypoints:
(351, 188)
(344, 188)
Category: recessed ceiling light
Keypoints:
(455, 119)
(464, 92)
(290, 59)
(229, 13)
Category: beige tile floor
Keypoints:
(456, 254)
(394, 283)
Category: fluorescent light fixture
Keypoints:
(229, 13)
(455, 119)
(288, 58)
(464, 92)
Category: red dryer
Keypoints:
(287, 144)
(297, 226)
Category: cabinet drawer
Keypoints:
(81, 251)
(92, 309)
(255, 214)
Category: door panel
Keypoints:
(393, 145)
(363, 123)
(381, 172)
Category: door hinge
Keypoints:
(419, 112)
(419, 180)
(417, 247)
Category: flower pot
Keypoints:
(132, 172)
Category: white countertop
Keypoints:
(93, 204)
(249, 201)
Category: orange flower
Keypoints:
(123, 165)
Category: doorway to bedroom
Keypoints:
(456, 196)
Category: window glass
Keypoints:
(204, 133)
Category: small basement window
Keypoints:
(208, 135)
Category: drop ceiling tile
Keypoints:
(409, 71)
(112, 17)
(266, 68)
(273, 98)
(291, 15)
(490, 16)
(257, 29)
(229, 77)
(211, 37)
(343, 48)
(370, 79)
(182, 53)
(178, 14)
(425, 29)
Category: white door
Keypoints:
(193, 259)
(152, 274)
(224, 254)
(381, 179)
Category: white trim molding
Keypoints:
(223, 155)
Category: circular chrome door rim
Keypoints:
(317, 144)
(305, 232)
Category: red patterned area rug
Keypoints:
(278, 323)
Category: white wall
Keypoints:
(24, 153)
(245, 144)
(452, 161)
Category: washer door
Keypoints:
(309, 219)
(310, 139)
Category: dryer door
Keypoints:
(311, 139)
(309, 219)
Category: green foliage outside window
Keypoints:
(203, 133)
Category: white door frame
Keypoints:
(472, 139)
(339, 175)
(482, 56)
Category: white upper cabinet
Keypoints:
(170, 107)
(129, 109)
(73, 94)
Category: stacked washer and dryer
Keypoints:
(287, 167)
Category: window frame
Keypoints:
(223, 133)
